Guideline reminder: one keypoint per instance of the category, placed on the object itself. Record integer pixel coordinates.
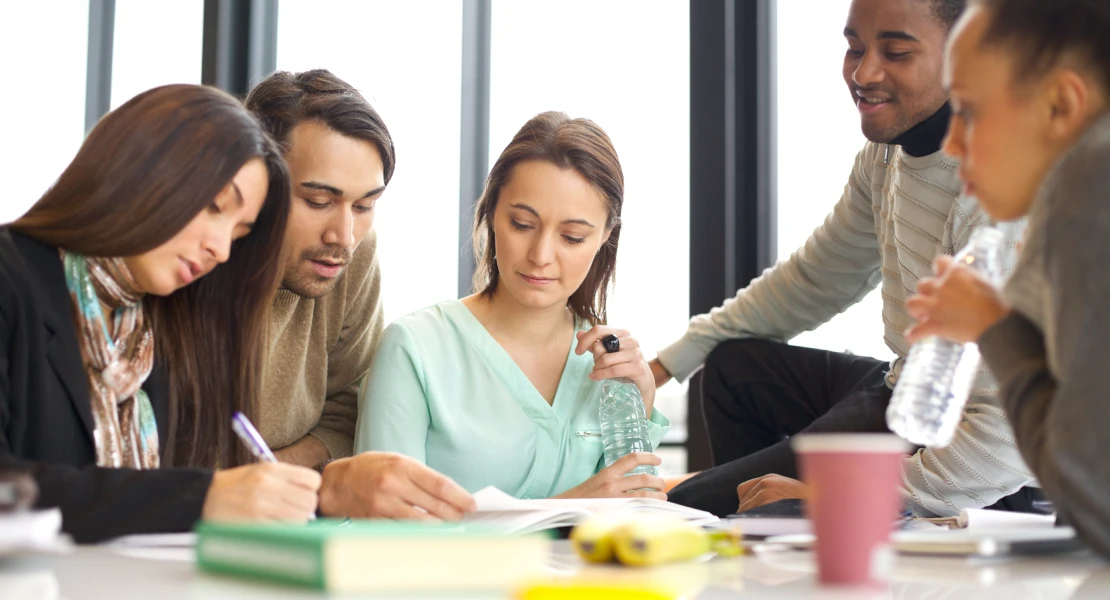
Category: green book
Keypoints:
(364, 556)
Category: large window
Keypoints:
(44, 100)
(155, 43)
(818, 138)
(621, 63)
(624, 64)
(405, 58)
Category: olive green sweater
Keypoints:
(1049, 355)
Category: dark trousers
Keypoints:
(757, 393)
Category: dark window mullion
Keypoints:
(474, 127)
(240, 43)
(732, 163)
(98, 66)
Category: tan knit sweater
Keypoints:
(897, 214)
(320, 349)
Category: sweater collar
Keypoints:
(926, 137)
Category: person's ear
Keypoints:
(1069, 98)
(605, 240)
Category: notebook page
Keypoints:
(979, 518)
(491, 499)
(515, 521)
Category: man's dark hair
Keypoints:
(1038, 33)
(947, 11)
(284, 100)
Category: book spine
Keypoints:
(300, 564)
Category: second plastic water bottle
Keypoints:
(935, 382)
(624, 423)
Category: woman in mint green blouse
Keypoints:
(503, 387)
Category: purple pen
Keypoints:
(242, 427)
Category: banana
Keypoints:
(647, 540)
(650, 540)
(592, 539)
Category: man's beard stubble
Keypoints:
(311, 285)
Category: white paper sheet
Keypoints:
(154, 540)
(499, 510)
(32, 531)
(976, 518)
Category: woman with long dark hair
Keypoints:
(133, 314)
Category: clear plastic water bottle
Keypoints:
(624, 423)
(928, 401)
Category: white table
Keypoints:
(97, 572)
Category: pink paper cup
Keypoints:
(854, 501)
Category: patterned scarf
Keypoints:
(118, 358)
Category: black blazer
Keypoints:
(46, 423)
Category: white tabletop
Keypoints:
(98, 572)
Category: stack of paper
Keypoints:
(979, 518)
(32, 531)
(156, 546)
(500, 511)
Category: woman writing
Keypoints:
(157, 249)
(502, 388)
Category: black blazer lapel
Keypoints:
(66, 361)
(63, 349)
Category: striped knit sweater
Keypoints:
(897, 213)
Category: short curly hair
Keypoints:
(947, 11)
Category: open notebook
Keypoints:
(965, 542)
(982, 518)
(498, 510)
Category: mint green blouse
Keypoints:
(444, 392)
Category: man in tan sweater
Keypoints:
(327, 316)
(902, 207)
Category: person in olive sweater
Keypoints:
(327, 317)
(1030, 85)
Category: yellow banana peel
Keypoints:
(656, 540)
(592, 539)
(648, 540)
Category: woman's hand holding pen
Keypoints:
(263, 491)
(268, 490)
(626, 362)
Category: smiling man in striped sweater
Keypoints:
(902, 207)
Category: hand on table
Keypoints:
(390, 486)
(767, 489)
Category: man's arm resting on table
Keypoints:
(390, 486)
(306, 452)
